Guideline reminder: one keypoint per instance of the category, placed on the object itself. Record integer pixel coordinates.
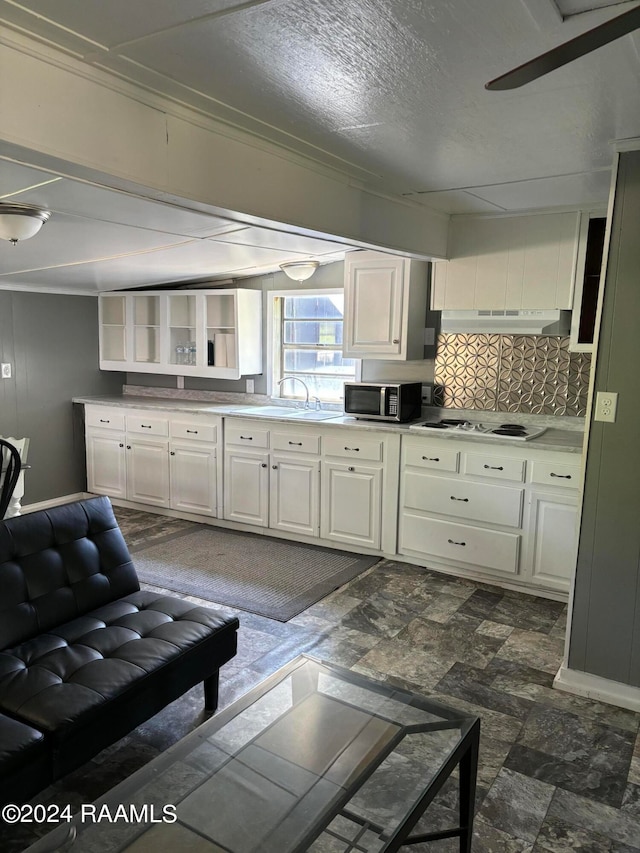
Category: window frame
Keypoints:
(274, 338)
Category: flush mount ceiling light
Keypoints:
(21, 221)
(300, 270)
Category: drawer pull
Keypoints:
(121, 445)
(493, 467)
(296, 443)
(172, 453)
(263, 465)
(104, 421)
(396, 341)
(192, 431)
(561, 476)
(246, 437)
(350, 468)
(453, 542)
(145, 426)
(431, 458)
(275, 467)
(128, 447)
(355, 449)
(464, 500)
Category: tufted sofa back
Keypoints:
(58, 564)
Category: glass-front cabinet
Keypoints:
(214, 333)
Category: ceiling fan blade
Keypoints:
(613, 29)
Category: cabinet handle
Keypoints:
(295, 443)
(464, 500)
(128, 447)
(561, 476)
(246, 437)
(192, 431)
(145, 426)
(275, 467)
(121, 445)
(453, 542)
(493, 467)
(431, 458)
(103, 421)
(396, 341)
(263, 464)
(354, 449)
(350, 468)
(172, 453)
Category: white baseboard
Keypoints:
(63, 499)
(595, 687)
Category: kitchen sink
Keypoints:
(285, 412)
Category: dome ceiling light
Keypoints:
(300, 270)
(21, 221)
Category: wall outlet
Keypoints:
(251, 385)
(6, 371)
(606, 406)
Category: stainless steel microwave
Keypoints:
(383, 401)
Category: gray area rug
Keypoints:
(271, 577)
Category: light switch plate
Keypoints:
(606, 406)
(6, 371)
(250, 386)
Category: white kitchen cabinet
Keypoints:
(271, 477)
(509, 262)
(294, 494)
(106, 463)
(351, 503)
(246, 487)
(384, 307)
(154, 457)
(553, 542)
(211, 333)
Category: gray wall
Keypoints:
(605, 629)
(51, 342)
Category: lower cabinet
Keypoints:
(553, 538)
(351, 503)
(278, 484)
(154, 458)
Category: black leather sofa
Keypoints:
(86, 655)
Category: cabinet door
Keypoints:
(106, 464)
(552, 539)
(246, 487)
(351, 504)
(193, 470)
(294, 495)
(374, 288)
(148, 471)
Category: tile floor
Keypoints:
(557, 773)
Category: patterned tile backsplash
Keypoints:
(511, 373)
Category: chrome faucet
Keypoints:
(302, 382)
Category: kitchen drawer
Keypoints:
(560, 474)
(301, 442)
(350, 445)
(437, 458)
(98, 416)
(245, 435)
(147, 424)
(475, 501)
(194, 431)
(496, 467)
(461, 543)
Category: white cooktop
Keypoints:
(474, 429)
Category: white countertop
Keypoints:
(554, 438)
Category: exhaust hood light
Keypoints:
(21, 221)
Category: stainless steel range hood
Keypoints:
(533, 321)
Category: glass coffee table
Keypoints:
(316, 758)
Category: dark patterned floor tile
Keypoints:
(516, 805)
(381, 615)
(585, 814)
(528, 613)
(509, 673)
(481, 603)
(557, 836)
(596, 783)
(631, 800)
(453, 641)
(468, 683)
(599, 755)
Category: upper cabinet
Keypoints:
(385, 306)
(509, 263)
(214, 333)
